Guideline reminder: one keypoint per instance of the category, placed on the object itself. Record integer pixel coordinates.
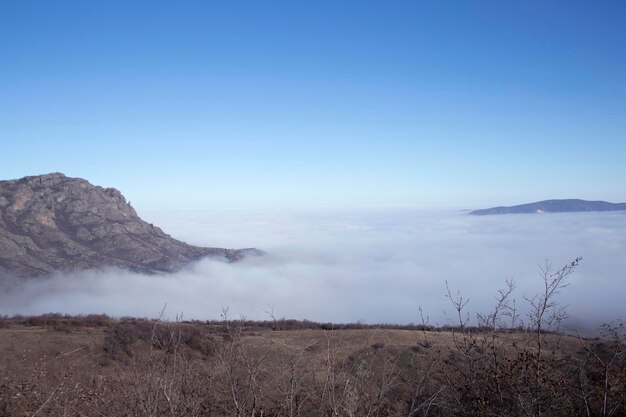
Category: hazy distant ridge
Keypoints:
(553, 206)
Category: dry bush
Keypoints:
(530, 372)
(288, 368)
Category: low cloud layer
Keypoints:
(346, 266)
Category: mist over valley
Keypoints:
(349, 265)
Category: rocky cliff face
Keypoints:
(52, 222)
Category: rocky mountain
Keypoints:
(52, 222)
(554, 206)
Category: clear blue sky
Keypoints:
(272, 104)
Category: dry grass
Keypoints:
(142, 367)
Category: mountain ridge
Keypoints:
(52, 223)
(553, 206)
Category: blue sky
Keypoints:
(353, 103)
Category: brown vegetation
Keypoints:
(57, 365)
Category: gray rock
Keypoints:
(54, 223)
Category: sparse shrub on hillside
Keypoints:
(58, 320)
(528, 372)
(602, 375)
(477, 366)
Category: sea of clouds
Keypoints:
(348, 265)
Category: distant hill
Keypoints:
(52, 222)
(553, 206)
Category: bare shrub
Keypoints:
(488, 364)
(602, 383)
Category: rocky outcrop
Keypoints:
(51, 222)
(554, 206)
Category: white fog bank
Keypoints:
(345, 266)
